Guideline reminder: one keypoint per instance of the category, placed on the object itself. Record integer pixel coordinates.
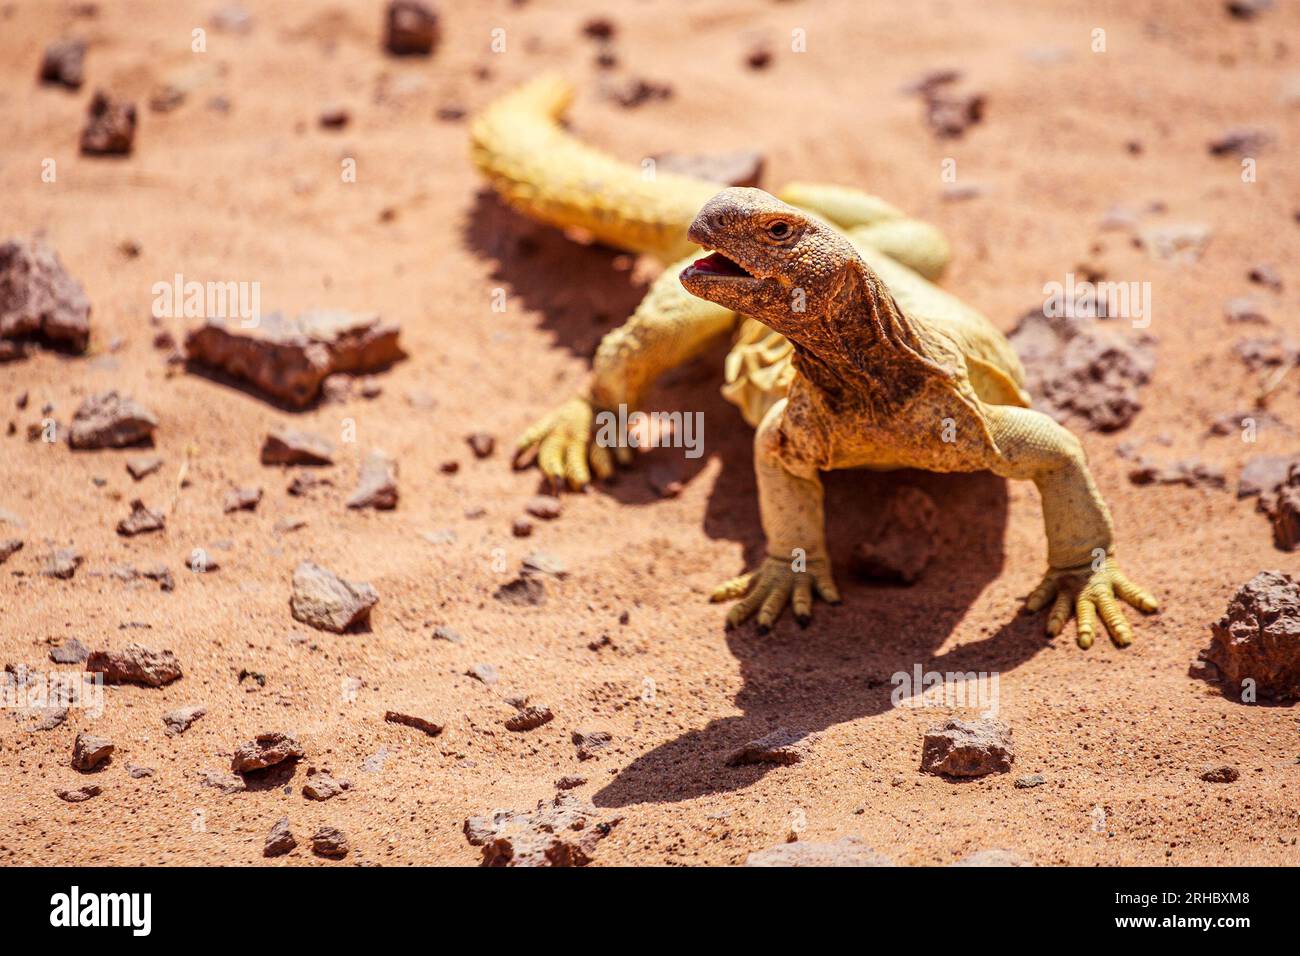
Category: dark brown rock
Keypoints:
(280, 840)
(110, 420)
(289, 359)
(89, 751)
(289, 446)
(330, 842)
(591, 742)
(960, 748)
(1221, 774)
(141, 521)
(520, 528)
(411, 28)
(741, 167)
(485, 673)
(419, 723)
(530, 718)
(546, 507)
(182, 718)
(636, 90)
(61, 563)
(569, 782)
(1240, 141)
(1266, 353)
(781, 746)
(1258, 639)
(143, 466)
(1285, 513)
(523, 591)
(904, 542)
(848, 851)
(265, 750)
(322, 786)
(334, 116)
(226, 783)
(1190, 472)
(242, 499)
(71, 651)
(78, 795)
(541, 564)
(599, 28)
(482, 444)
(305, 482)
(9, 547)
(327, 602)
(1263, 475)
(1265, 275)
(135, 664)
(64, 63)
(39, 299)
(564, 832)
(110, 126)
(948, 112)
(1247, 9)
(376, 483)
(1079, 372)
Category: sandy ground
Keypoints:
(254, 194)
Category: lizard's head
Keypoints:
(767, 259)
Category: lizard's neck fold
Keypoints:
(865, 346)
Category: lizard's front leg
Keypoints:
(1083, 575)
(669, 327)
(790, 499)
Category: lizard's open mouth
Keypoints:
(716, 264)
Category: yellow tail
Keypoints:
(549, 176)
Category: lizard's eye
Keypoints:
(779, 230)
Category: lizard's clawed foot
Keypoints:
(774, 585)
(1089, 594)
(561, 443)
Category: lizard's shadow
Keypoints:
(840, 668)
(593, 294)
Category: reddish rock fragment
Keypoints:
(289, 446)
(110, 127)
(411, 28)
(419, 723)
(111, 420)
(1255, 646)
(141, 521)
(39, 299)
(960, 748)
(64, 63)
(564, 832)
(781, 746)
(265, 750)
(289, 359)
(135, 664)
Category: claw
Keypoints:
(1090, 595)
